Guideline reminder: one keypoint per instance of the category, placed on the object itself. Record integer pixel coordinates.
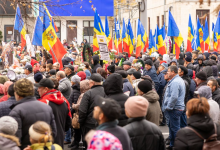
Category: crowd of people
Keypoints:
(117, 104)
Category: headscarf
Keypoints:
(6, 86)
(166, 58)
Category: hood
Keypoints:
(95, 59)
(208, 71)
(213, 62)
(76, 87)
(181, 56)
(113, 84)
(174, 60)
(151, 96)
(206, 55)
(200, 57)
(190, 73)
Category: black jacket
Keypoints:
(144, 134)
(113, 89)
(198, 86)
(188, 140)
(190, 66)
(181, 61)
(70, 76)
(95, 63)
(26, 112)
(216, 96)
(87, 106)
(75, 94)
(187, 81)
(156, 63)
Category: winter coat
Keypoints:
(144, 134)
(198, 86)
(181, 61)
(135, 84)
(156, 63)
(174, 94)
(75, 94)
(214, 71)
(163, 83)
(208, 71)
(65, 87)
(61, 111)
(152, 73)
(96, 63)
(198, 68)
(36, 93)
(113, 89)
(31, 77)
(30, 111)
(127, 87)
(190, 66)
(5, 106)
(187, 82)
(9, 142)
(153, 112)
(70, 76)
(186, 139)
(214, 110)
(215, 96)
(87, 106)
(40, 146)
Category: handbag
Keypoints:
(75, 123)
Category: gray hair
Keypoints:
(61, 74)
(174, 69)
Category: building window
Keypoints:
(58, 24)
(158, 21)
(88, 31)
(8, 34)
(71, 30)
(202, 14)
(162, 20)
(148, 26)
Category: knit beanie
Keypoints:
(145, 86)
(149, 62)
(137, 74)
(24, 87)
(82, 75)
(111, 68)
(201, 75)
(136, 106)
(8, 125)
(188, 58)
(75, 79)
(38, 77)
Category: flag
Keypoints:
(98, 30)
(190, 35)
(139, 40)
(174, 31)
(19, 25)
(144, 38)
(107, 33)
(38, 31)
(51, 42)
(217, 32)
(152, 45)
(206, 37)
(125, 39)
(163, 30)
(214, 37)
(130, 37)
(51, 18)
(118, 43)
(159, 42)
(199, 41)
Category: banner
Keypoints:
(103, 48)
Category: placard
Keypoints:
(9, 32)
(103, 48)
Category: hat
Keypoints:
(137, 74)
(37, 77)
(3, 79)
(75, 79)
(188, 58)
(204, 91)
(165, 65)
(215, 53)
(145, 86)
(105, 104)
(69, 66)
(136, 106)
(49, 61)
(201, 75)
(123, 73)
(127, 63)
(8, 125)
(131, 71)
(96, 77)
(24, 87)
(111, 68)
(149, 62)
(155, 54)
(163, 62)
(45, 83)
(184, 69)
(82, 75)
(28, 67)
(213, 58)
(52, 72)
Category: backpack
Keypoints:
(211, 143)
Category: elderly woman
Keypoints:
(197, 111)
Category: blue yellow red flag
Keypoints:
(206, 36)
(139, 40)
(125, 38)
(190, 35)
(199, 41)
(159, 42)
(217, 32)
(107, 33)
(152, 45)
(130, 37)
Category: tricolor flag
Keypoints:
(174, 31)
(38, 31)
(139, 40)
(51, 18)
(125, 39)
(51, 42)
(199, 36)
(159, 42)
(130, 37)
(152, 45)
(107, 33)
(214, 37)
(217, 31)
(206, 36)
(19, 25)
(98, 30)
(144, 38)
(190, 35)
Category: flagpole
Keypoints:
(52, 51)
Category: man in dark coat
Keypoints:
(86, 120)
(201, 80)
(95, 62)
(30, 111)
(213, 84)
(200, 64)
(69, 71)
(113, 89)
(192, 85)
(144, 134)
(107, 120)
(188, 63)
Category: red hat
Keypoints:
(82, 75)
(162, 62)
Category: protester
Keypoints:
(37, 78)
(31, 110)
(126, 65)
(200, 64)
(108, 120)
(75, 81)
(213, 84)
(136, 78)
(192, 84)
(143, 134)
(201, 80)
(69, 71)
(52, 73)
(87, 70)
(173, 62)
(95, 62)
(29, 73)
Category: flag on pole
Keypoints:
(51, 42)
(200, 44)
(118, 42)
(214, 37)
(125, 38)
(174, 31)
(159, 42)
(217, 31)
(152, 45)
(163, 30)
(206, 37)
(38, 31)
(190, 35)
(98, 30)
(130, 37)
(144, 38)
(107, 33)
(139, 40)
(19, 25)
